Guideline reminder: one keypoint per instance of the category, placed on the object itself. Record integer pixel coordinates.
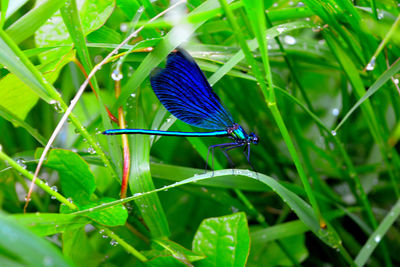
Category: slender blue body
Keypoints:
(167, 133)
(185, 92)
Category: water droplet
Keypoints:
(377, 238)
(380, 15)
(371, 65)
(133, 95)
(300, 4)
(69, 200)
(396, 81)
(141, 9)
(116, 75)
(280, 29)
(316, 29)
(21, 162)
(113, 242)
(123, 27)
(333, 133)
(104, 236)
(335, 112)
(290, 40)
(54, 188)
(91, 150)
(275, 5)
(56, 105)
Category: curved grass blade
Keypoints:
(298, 205)
(395, 68)
(378, 234)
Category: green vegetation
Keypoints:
(318, 81)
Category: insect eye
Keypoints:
(254, 138)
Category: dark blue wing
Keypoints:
(185, 92)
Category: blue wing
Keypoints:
(185, 92)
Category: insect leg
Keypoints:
(220, 146)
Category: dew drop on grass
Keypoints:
(113, 242)
(281, 29)
(21, 162)
(56, 105)
(91, 150)
(335, 112)
(123, 27)
(377, 238)
(290, 40)
(116, 75)
(333, 133)
(371, 65)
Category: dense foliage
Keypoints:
(317, 81)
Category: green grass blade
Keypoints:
(378, 84)
(378, 234)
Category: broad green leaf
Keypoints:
(36, 251)
(224, 240)
(93, 15)
(44, 224)
(115, 216)
(18, 98)
(77, 247)
(77, 180)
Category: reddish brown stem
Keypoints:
(125, 144)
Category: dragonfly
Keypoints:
(184, 91)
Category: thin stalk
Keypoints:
(123, 243)
(385, 40)
(125, 142)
